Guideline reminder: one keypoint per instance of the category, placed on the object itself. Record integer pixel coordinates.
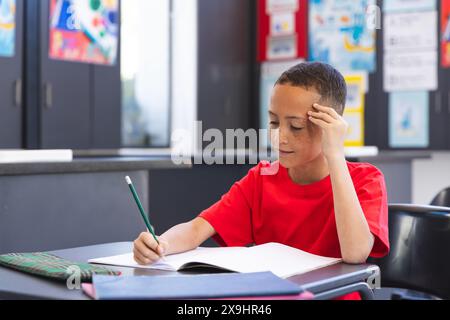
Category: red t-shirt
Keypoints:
(272, 208)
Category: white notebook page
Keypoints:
(281, 260)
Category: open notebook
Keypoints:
(282, 260)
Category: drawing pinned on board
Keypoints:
(354, 109)
(339, 35)
(282, 48)
(409, 119)
(282, 24)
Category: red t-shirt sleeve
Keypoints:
(371, 190)
(231, 215)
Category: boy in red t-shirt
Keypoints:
(316, 201)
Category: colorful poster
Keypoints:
(7, 27)
(409, 119)
(354, 110)
(339, 34)
(390, 6)
(445, 32)
(84, 30)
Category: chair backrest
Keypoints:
(442, 199)
(419, 258)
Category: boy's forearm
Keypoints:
(181, 238)
(354, 233)
(185, 237)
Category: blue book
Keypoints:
(208, 286)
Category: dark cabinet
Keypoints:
(226, 64)
(106, 114)
(65, 104)
(79, 103)
(445, 108)
(439, 117)
(11, 86)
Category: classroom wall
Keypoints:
(430, 176)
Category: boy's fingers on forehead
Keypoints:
(328, 110)
(322, 115)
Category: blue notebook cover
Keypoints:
(193, 287)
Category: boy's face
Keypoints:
(299, 139)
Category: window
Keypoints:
(145, 72)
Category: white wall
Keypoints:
(430, 176)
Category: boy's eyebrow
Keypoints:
(295, 118)
(289, 118)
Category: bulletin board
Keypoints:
(404, 65)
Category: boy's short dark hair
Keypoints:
(325, 79)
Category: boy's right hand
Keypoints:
(147, 251)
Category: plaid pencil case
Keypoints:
(53, 267)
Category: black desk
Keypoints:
(326, 283)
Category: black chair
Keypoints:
(442, 199)
(419, 259)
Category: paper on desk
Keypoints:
(282, 260)
(172, 262)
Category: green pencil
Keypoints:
(141, 209)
